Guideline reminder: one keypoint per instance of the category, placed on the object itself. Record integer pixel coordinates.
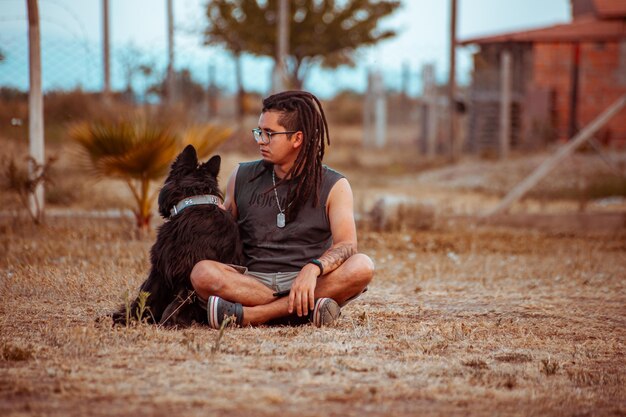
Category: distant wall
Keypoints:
(602, 81)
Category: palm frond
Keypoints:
(205, 138)
(104, 139)
(149, 158)
(135, 150)
(140, 151)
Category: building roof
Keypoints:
(610, 9)
(583, 29)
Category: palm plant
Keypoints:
(140, 152)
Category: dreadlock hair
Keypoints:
(302, 111)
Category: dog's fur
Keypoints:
(199, 232)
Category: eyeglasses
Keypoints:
(262, 136)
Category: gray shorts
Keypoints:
(276, 281)
(279, 281)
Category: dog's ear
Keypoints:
(186, 162)
(212, 166)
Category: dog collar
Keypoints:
(194, 201)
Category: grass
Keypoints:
(549, 366)
(524, 323)
(459, 320)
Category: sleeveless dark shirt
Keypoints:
(268, 248)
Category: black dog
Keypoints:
(195, 229)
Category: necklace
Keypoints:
(280, 217)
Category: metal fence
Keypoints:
(72, 54)
(72, 58)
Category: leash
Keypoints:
(191, 294)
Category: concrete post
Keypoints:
(505, 103)
(171, 82)
(282, 47)
(432, 114)
(35, 108)
(380, 111)
(106, 51)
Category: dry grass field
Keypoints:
(460, 319)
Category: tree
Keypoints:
(135, 63)
(326, 32)
(189, 91)
(24, 183)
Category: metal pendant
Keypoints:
(280, 220)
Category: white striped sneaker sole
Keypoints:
(212, 312)
(326, 311)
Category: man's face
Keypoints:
(282, 147)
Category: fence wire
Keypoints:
(72, 56)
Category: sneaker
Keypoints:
(326, 311)
(218, 309)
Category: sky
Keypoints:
(71, 42)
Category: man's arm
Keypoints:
(340, 210)
(340, 206)
(229, 198)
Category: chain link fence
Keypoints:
(72, 60)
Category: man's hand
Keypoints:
(302, 294)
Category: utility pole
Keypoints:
(35, 109)
(105, 46)
(282, 47)
(170, 82)
(452, 83)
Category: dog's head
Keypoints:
(187, 179)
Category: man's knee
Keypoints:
(205, 277)
(363, 268)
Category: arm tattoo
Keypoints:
(335, 256)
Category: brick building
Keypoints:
(561, 78)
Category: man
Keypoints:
(297, 225)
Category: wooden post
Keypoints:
(505, 103)
(106, 52)
(452, 83)
(573, 99)
(522, 188)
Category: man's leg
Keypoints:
(214, 278)
(345, 282)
